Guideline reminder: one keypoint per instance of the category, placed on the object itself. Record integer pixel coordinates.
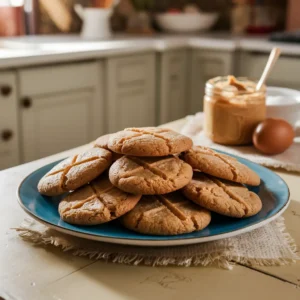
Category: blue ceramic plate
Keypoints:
(273, 191)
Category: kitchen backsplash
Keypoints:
(49, 21)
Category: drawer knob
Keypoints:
(5, 90)
(26, 102)
(6, 135)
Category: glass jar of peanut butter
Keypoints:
(232, 109)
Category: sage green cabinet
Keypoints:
(9, 128)
(284, 74)
(172, 85)
(49, 109)
(61, 107)
(203, 65)
(130, 94)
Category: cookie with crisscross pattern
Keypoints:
(96, 203)
(222, 196)
(149, 141)
(150, 175)
(102, 142)
(220, 165)
(166, 215)
(75, 171)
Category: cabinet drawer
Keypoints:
(9, 133)
(45, 80)
(285, 72)
(214, 63)
(130, 70)
(128, 73)
(206, 64)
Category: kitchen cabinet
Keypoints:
(203, 65)
(52, 108)
(130, 83)
(9, 130)
(61, 107)
(171, 85)
(284, 74)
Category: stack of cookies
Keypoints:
(145, 177)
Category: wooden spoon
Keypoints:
(268, 68)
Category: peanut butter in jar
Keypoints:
(232, 109)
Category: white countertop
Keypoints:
(32, 272)
(34, 50)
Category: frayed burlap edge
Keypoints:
(222, 259)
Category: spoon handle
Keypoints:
(268, 68)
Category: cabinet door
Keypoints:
(131, 92)
(56, 123)
(206, 64)
(172, 81)
(9, 131)
(284, 74)
(61, 108)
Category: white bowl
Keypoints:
(284, 104)
(186, 22)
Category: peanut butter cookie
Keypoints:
(222, 196)
(150, 175)
(96, 203)
(149, 141)
(75, 171)
(220, 165)
(102, 142)
(169, 214)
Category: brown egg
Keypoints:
(273, 136)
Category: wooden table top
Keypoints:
(30, 272)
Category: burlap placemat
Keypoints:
(288, 160)
(267, 246)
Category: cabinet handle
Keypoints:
(26, 102)
(6, 135)
(5, 90)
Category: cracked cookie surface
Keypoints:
(96, 203)
(150, 175)
(168, 214)
(220, 165)
(75, 171)
(222, 196)
(149, 141)
(102, 142)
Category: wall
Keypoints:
(67, 19)
(293, 10)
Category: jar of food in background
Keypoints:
(12, 21)
(232, 109)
